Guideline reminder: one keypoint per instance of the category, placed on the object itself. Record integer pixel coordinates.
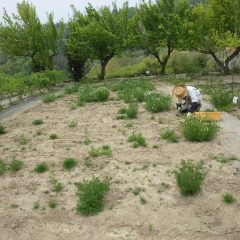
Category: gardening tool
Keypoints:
(216, 116)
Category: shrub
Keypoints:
(169, 135)
(221, 99)
(37, 122)
(132, 111)
(41, 167)
(15, 165)
(93, 94)
(3, 167)
(156, 102)
(69, 163)
(228, 198)
(190, 177)
(48, 98)
(195, 129)
(2, 129)
(91, 196)
(137, 140)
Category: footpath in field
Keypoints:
(230, 125)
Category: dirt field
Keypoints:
(166, 215)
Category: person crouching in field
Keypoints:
(188, 98)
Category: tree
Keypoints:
(78, 49)
(161, 28)
(216, 31)
(102, 33)
(23, 35)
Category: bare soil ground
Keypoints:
(167, 215)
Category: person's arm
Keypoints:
(194, 107)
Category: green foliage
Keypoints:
(69, 163)
(221, 99)
(3, 167)
(138, 140)
(105, 150)
(100, 34)
(2, 129)
(195, 129)
(37, 122)
(72, 124)
(71, 89)
(156, 102)
(130, 112)
(143, 200)
(41, 167)
(36, 205)
(169, 135)
(93, 94)
(48, 98)
(228, 198)
(131, 91)
(53, 136)
(15, 165)
(22, 140)
(52, 204)
(91, 196)
(24, 35)
(223, 159)
(190, 177)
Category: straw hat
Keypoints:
(180, 91)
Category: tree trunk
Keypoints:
(104, 63)
(225, 65)
(163, 63)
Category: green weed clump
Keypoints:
(41, 167)
(195, 129)
(37, 122)
(56, 185)
(3, 167)
(69, 163)
(52, 204)
(222, 99)
(190, 177)
(93, 94)
(156, 102)
(138, 140)
(48, 98)
(15, 165)
(228, 198)
(73, 124)
(53, 136)
(169, 135)
(91, 196)
(130, 112)
(105, 150)
(2, 129)
(71, 89)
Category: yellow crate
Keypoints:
(216, 116)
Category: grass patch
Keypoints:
(105, 150)
(69, 163)
(143, 200)
(91, 196)
(195, 129)
(37, 122)
(48, 98)
(53, 136)
(190, 177)
(228, 198)
(71, 89)
(36, 205)
(90, 93)
(138, 140)
(223, 159)
(22, 140)
(15, 165)
(56, 185)
(52, 204)
(169, 135)
(2, 129)
(222, 99)
(73, 124)
(156, 102)
(3, 167)
(41, 167)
